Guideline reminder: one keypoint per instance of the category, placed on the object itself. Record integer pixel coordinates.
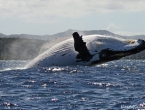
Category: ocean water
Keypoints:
(116, 85)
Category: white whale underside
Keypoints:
(63, 53)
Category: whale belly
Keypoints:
(62, 58)
(59, 55)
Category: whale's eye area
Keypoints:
(103, 55)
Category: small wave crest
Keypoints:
(12, 65)
(60, 69)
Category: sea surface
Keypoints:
(116, 85)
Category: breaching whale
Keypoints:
(87, 50)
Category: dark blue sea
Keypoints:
(117, 85)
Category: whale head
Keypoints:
(101, 48)
(105, 48)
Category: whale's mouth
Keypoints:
(110, 54)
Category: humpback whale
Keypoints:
(87, 50)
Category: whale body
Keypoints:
(102, 48)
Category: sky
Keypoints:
(47, 17)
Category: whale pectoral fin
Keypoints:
(81, 48)
(78, 56)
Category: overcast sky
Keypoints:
(42, 17)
